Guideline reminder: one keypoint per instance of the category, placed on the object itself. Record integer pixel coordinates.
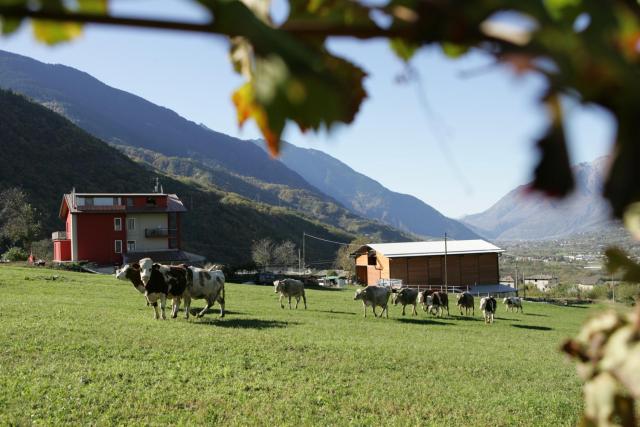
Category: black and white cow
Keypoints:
(465, 300)
(162, 282)
(434, 302)
(488, 305)
(207, 284)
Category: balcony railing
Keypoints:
(59, 235)
(159, 232)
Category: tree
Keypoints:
(262, 252)
(344, 260)
(285, 254)
(19, 223)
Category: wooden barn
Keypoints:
(422, 264)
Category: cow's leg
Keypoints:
(209, 303)
(374, 311)
(304, 298)
(281, 304)
(403, 307)
(297, 301)
(415, 312)
(156, 313)
(175, 307)
(163, 305)
(289, 302)
(386, 310)
(221, 301)
(364, 306)
(187, 306)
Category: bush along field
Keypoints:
(84, 349)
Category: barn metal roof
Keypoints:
(454, 247)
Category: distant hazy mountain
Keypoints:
(368, 197)
(524, 215)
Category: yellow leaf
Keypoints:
(246, 108)
(51, 32)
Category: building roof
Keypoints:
(454, 247)
(174, 204)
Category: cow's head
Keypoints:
(146, 265)
(359, 294)
(131, 272)
(277, 286)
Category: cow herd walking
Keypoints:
(160, 283)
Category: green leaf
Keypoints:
(454, 50)
(93, 6)
(9, 25)
(559, 8)
(403, 49)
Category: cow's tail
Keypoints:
(221, 294)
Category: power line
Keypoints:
(325, 240)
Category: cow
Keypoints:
(290, 288)
(374, 296)
(435, 303)
(465, 300)
(488, 306)
(513, 303)
(131, 272)
(161, 282)
(405, 296)
(207, 284)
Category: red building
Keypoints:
(116, 228)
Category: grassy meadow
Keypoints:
(84, 349)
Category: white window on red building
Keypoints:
(117, 224)
(118, 246)
(131, 245)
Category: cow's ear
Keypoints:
(135, 266)
(156, 266)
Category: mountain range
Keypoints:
(523, 215)
(310, 182)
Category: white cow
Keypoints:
(374, 296)
(290, 288)
(513, 303)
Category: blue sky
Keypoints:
(458, 143)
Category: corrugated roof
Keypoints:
(454, 247)
(174, 204)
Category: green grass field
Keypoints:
(84, 349)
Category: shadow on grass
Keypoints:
(469, 318)
(244, 323)
(423, 322)
(537, 315)
(575, 306)
(335, 312)
(533, 328)
(504, 318)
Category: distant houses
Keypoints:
(115, 228)
(543, 282)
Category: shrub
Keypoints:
(42, 249)
(599, 292)
(15, 254)
(627, 293)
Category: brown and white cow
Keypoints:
(488, 305)
(405, 296)
(513, 303)
(465, 300)
(374, 296)
(290, 288)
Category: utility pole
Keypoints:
(515, 284)
(303, 250)
(445, 262)
(299, 261)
